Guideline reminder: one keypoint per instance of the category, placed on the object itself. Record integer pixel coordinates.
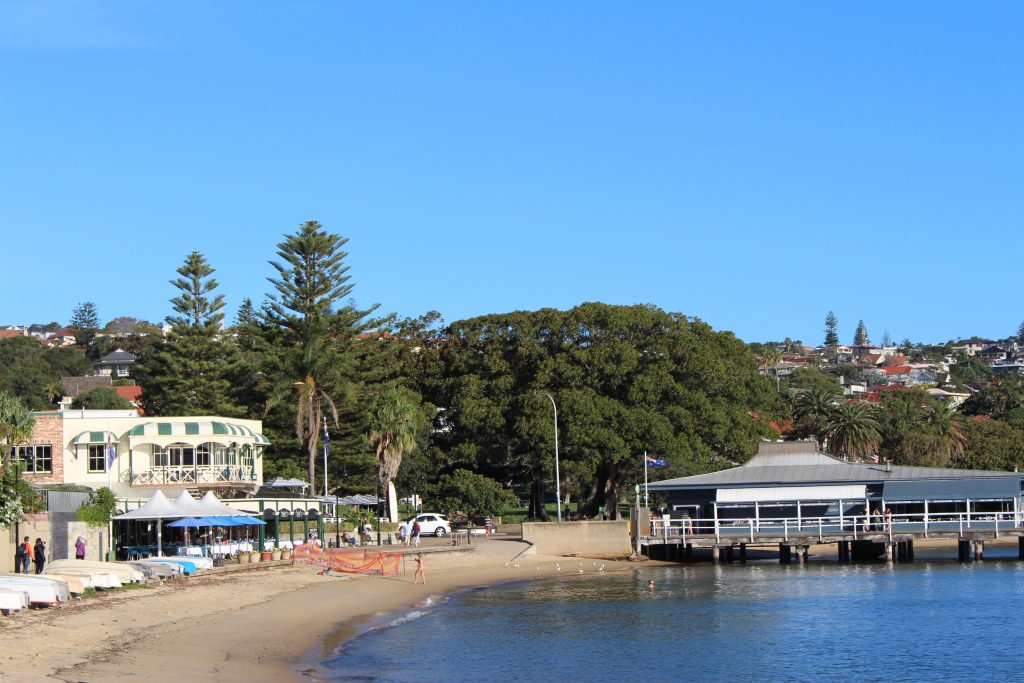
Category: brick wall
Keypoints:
(49, 429)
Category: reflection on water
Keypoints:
(816, 622)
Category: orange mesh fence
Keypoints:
(350, 561)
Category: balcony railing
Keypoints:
(203, 475)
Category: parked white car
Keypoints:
(431, 523)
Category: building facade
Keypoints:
(134, 455)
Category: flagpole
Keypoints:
(645, 479)
(325, 458)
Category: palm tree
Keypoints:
(852, 431)
(394, 424)
(308, 417)
(812, 410)
(16, 424)
(944, 425)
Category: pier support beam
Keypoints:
(785, 554)
(979, 550)
(803, 552)
(844, 551)
(963, 550)
(1020, 547)
(716, 556)
(743, 553)
(890, 552)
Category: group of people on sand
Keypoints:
(409, 535)
(30, 554)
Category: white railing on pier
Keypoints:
(855, 525)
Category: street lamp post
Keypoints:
(558, 483)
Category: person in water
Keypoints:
(650, 584)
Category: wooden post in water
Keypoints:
(979, 550)
(1020, 547)
(715, 555)
(785, 554)
(844, 551)
(963, 550)
(743, 553)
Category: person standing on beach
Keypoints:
(24, 555)
(421, 571)
(39, 556)
(80, 548)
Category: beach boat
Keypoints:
(124, 572)
(146, 569)
(76, 583)
(96, 578)
(42, 590)
(199, 562)
(12, 600)
(160, 571)
(187, 566)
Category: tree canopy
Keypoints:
(189, 372)
(625, 379)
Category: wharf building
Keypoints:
(792, 494)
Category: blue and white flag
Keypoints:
(111, 452)
(655, 462)
(327, 440)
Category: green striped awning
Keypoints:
(196, 428)
(94, 437)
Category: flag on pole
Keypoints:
(327, 440)
(111, 452)
(655, 462)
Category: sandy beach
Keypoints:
(266, 624)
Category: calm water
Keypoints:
(930, 620)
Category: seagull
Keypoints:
(579, 571)
(601, 569)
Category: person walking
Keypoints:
(416, 534)
(80, 548)
(421, 571)
(39, 555)
(25, 554)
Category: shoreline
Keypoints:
(274, 623)
(277, 623)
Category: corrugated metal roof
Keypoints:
(801, 463)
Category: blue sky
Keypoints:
(753, 164)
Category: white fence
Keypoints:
(857, 526)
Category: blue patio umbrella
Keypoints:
(188, 522)
(247, 520)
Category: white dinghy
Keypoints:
(42, 590)
(12, 600)
(124, 572)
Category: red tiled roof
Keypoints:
(8, 334)
(897, 369)
(130, 393)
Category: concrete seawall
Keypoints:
(585, 538)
